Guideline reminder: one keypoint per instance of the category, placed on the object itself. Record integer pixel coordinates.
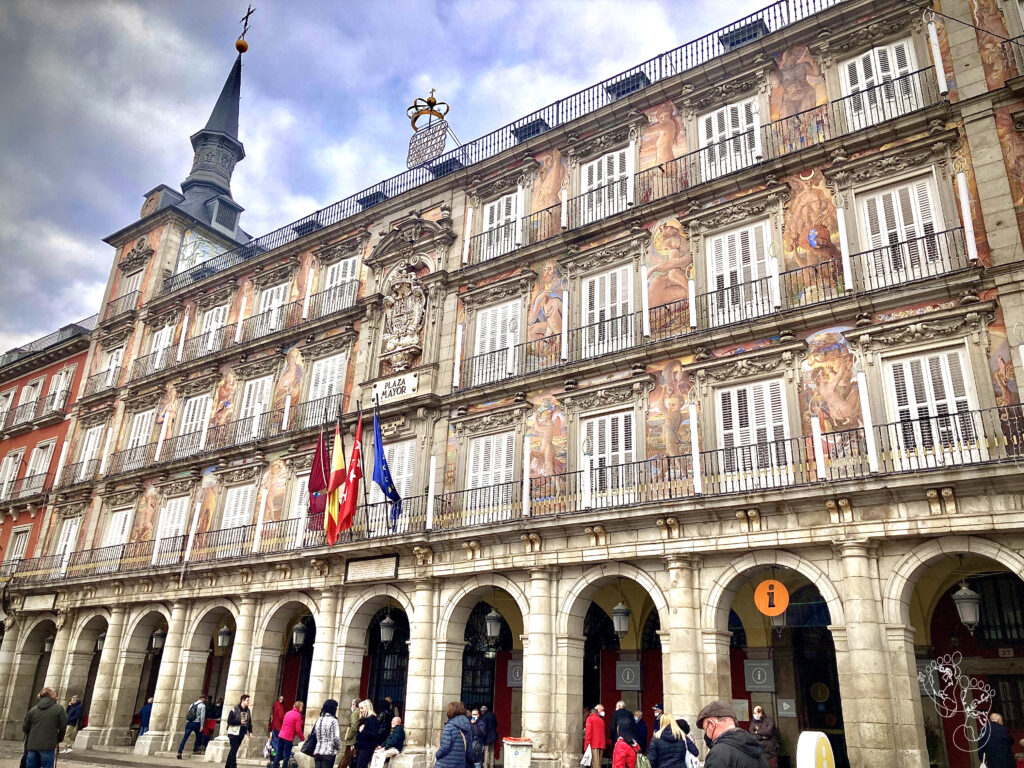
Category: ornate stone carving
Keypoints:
(414, 234)
(532, 542)
(301, 463)
(240, 474)
(856, 37)
(143, 401)
(276, 274)
(405, 307)
(320, 567)
(116, 338)
(578, 262)
(350, 247)
(196, 386)
(917, 155)
(491, 421)
(669, 528)
(610, 394)
(177, 487)
(583, 149)
(124, 498)
(72, 510)
(424, 555)
(746, 367)
(925, 330)
(511, 288)
(839, 510)
(93, 418)
(757, 204)
(268, 364)
(473, 549)
(727, 91)
(216, 296)
(597, 535)
(137, 257)
(485, 191)
(331, 345)
(167, 316)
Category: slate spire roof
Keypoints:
(224, 118)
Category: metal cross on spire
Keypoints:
(245, 20)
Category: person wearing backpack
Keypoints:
(194, 719)
(478, 733)
(626, 753)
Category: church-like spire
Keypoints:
(217, 147)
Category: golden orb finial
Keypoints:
(241, 45)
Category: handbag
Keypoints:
(234, 730)
(587, 759)
(309, 745)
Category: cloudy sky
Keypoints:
(100, 96)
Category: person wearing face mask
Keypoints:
(595, 736)
(730, 746)
(763, 727)
(640, 730)
(478, 735)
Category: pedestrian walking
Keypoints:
(328, 736)
(640, 730)
(144, 714)
(194, 719)
(477, 732)
(670, 745)
(595, 736)
(451, 752)
(349, 741)
(626, 750)
(239, 729)
(763, 728)
(621, 717)
(74, 719)
(367, 734)
(45, 726)
(290, 730)
(274, 726)
(995, 745)
(492, 739)
(729, 746)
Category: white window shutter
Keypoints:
(254, 397)
(141, 429)
(39, 461)
(273, 297)
(325, 378)
(131, 283)
(300, 503)
(238, 506)
(91, 443)
(18, 547)
(67, 539)
(491, 461)
(193, 414)
(400, 458)
(340, 272)
(172, 517)
(117, 527)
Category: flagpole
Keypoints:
(362, 465)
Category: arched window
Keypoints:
(389, 663)
(478, 658)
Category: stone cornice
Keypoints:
(761, 203)
(331, 345)
(633, 248)
(969, 319)
(581, 149)
(197, 386)
(857, 37)
(236, 475)
(270, 275)
(266, 365)
(137, 257)
(628, 390)
(777, 358)
(167, 316)
(353, 246)
(142, 401)
(415, 234)
(481, 190)
(729, 90)
(115, 339)
(496, 420)
(215, 296)
(510, 288)
(123, 498)
(920, 154)
(178, 487)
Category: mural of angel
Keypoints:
(830, 382)
(663, 138)
(549, 180)
(669, 399)
(544, 317)
(670, 263)
(548, 441)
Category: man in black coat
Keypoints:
(490, 722)
(730, 746)
(640, 730)
(45, 726)
(995, 746)
(621, 717)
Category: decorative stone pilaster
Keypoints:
(421, 651)
(911, 749)
(321, 673)
(538, 676)
(681, 662)
(867, 707)
(101, 710)
(166, 684)
(59, 654)
(717, 673)
(12, 639)
(238, 676)
(566, 723)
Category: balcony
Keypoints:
(600, 203)
(131, 459)
(102, 381)
(79, 473)
(494, 242)
(150, 364)
(909, 261)
(480, 506)
(120, 306)
(25, 489)
(238, 432)
(37, 413)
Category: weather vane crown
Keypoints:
(240, 44)
(429, 107)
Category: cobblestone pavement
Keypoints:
(10, 757)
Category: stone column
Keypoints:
(683, 674)
(567, 719)
(59, 655)
(238, 677)
(321, 674)
(867, 705)
(75, 674)
(102, 708)
(418, 711)
(166, 684)
(911, 748)
(538, 677)
(12, 637)
(717, 671)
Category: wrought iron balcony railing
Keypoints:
(101, 381)
(908, 261)
(79, 472)
(121, 306)
(494, 242)
(131, 459)
(151, 363)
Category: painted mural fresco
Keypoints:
(829, 385)
(1012, 143)
(290, 380)
(548, 184)
(663, 138)
(224, 397)
(544, 317)
(207, 500)
(668, 418)
(146, 516)
(1000, 362)
(988, 17)
(810, 241)
(275, 484)
(797, 84)
(963, 159)
(548, 439)
(670, 263)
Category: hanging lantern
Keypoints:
(159, 638)
(492, 623)
(387, 629)
(48, 644)
(298, 634)
(779, 622)
(968, 605)
(490, 653)
(224, 637)
(100, 641)
(620, 619)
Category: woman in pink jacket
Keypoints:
(291, 728)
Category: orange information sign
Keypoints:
(771, 597)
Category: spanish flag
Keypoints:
(334, 487)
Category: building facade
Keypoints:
(751, 310)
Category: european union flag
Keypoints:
(382, 473)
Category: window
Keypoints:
(400, 456)
(271, 301)
(38, 465)
(499, 227)
(66, 541)
(27, 400)
(900, 234)
(878, 84)
(729, 139)
(114, 358)
(323, 397)
(158, 345)
(195, 415)
(300, 512)
(141, 429)
(339, 279)
(60, 383)
(9, 471)
(753, 436)
(18, 545)
(131, 283)
(607, 457)
(6, 398)
(117, 527)
(606, 312)
(490, 471)
(213, 320)
(931, 403)
(497, 333)
(605, 184)
(738, 275)
(88, 453)
(238, 506)
(255, 398)
(171, 531)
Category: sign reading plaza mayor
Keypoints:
(395, 388)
